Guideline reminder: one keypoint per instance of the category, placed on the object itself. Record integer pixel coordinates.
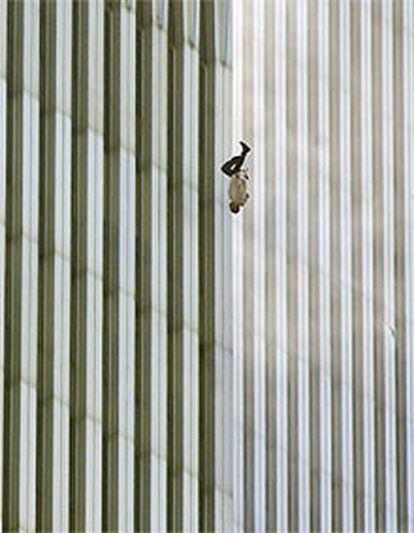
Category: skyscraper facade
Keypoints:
(323, 270)
(114, 265)
(165, 364)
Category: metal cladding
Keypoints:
(323, 306)
(165, 365)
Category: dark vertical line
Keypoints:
(314, 267)
(357, 304)
(207, 458)
(110, 367)
(175, 280)
(379, 206)
(399, 263)
(13, 266)
(3, 199)
(248, 284)
(270, 258)
(335, 265)
(79, 255)
(46, 340)
(292, 266)
(144, 260)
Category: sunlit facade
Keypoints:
(323, 268)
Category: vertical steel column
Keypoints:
(356, 208)
(151, 424)
(316, 451)
(270, 208)
(406, 492)
(182, 165)
(207, 272)
(281, 185)
(86, 266)
(127, 267)
(111, 355)
(400, 266)
(175, 268)
(346, 288)
(54, 268)
(3, 144)
(335, 259)
(379, 206)
(292, 265)
(249, 262)
(21, 276)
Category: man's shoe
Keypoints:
(245, 147)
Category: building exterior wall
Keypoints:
(115, 350)
(165, 365)
(322, 265)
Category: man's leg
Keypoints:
(245, 147)
(242, 156)
(233, 165)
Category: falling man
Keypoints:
(238, 179)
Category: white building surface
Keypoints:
(166, 365)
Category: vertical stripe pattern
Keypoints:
(166, 364)
(337, 308)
